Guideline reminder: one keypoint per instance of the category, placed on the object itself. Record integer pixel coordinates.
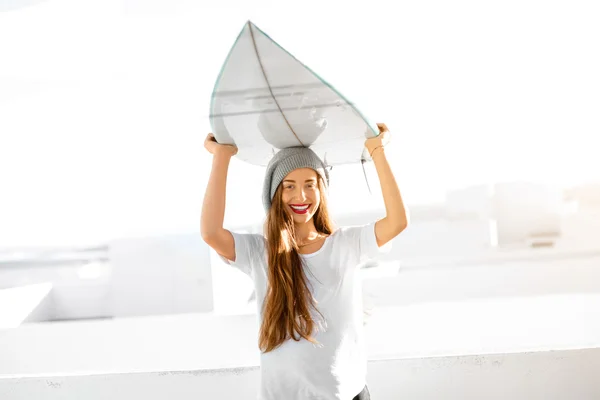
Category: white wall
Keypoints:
(523, 209)
(581, 229)
(160, 275)
(25, 303)
(197, 341)
(548, 375)
(443, 239)
(472, 201)
(84, 296)
(77, 292)
(544, 347)
(421, 284)
(144, 276)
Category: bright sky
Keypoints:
(104, 105)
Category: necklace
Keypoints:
(319, 237)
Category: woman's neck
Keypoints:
(306, 231)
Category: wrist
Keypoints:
(377, 150)
(223, 153)
(222, 157)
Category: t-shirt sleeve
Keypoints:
(362, 238)
(248, 248)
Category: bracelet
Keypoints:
(371, 155)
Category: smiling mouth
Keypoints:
(300, 209)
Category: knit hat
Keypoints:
(285, 161)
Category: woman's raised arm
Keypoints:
(213, 207)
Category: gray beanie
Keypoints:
(285, 161)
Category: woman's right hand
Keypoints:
(213, 147)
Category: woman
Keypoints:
(305, 272)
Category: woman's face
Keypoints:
(300, 194)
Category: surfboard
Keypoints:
(264, 99)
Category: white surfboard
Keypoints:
(265, 99)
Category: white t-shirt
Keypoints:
(336, 368)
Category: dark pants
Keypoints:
(363, 395)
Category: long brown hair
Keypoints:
(287, 304)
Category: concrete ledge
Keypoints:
(202, 341)
(545, 347)
(24, 303)
(547, 375)
(499, 255)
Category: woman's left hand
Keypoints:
(378, 141)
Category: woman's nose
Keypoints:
(301, 194)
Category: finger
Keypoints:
(382, 127)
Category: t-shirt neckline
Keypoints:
(309, 255)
